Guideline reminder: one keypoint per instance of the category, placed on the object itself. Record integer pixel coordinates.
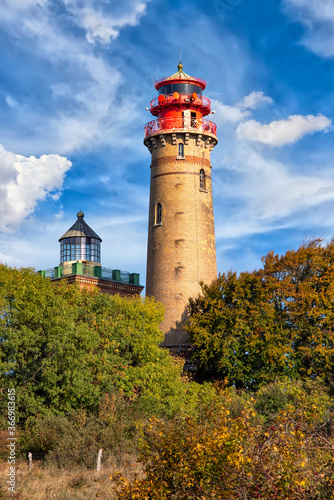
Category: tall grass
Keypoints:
(50, 482)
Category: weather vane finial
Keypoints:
(180, 66)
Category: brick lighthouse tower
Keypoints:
(181, 236)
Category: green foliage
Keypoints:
(272, 323)
(74, 440)
(63, 348)
(274, 398)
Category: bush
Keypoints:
(76, 439)
(215, 456)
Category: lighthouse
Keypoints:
(181, 237)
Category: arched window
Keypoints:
(180, 152)
(158, 213)
(202, 179)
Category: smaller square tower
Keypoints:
(80, 262)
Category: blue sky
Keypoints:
(76, 77)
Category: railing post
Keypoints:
(116, 275)
(77, 268)
(134, 278)
(98, 271)
(58, 272)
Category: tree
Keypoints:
(277, 321)
(63, 348)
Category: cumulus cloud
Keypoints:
(25, 181)
(99, 24)
(318, 21)
(280, 132)
(226, 113)
(240, 111)
(254, 100)
(268, 194)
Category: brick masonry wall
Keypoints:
(104, 286)
(181, 251)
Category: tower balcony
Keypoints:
(202, 103)
(88, 270)
(182, 123)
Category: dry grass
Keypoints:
(47, 482)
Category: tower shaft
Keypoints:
(181, 237)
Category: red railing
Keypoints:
(201, 101)
(180, 123)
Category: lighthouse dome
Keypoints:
(180, 82)
(80, 243)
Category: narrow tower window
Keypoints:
(193, 120)
(180, 153)
(158, 213)
(202, 179)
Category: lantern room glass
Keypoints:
(181, 88)
(80, 248)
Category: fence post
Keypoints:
(99, 456)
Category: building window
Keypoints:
(158, 214)
(180, 151)
(193, 118)
(202, 179)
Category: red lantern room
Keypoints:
(180, 104)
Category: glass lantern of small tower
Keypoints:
(80, 244)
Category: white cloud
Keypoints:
(25, 181)
(267, 194)
(280, 132)
(317, 17)
(12, 103)
(240, 111)
(254, 100)
(85, 96)
(99, 24)
(224, 113)
(23, 4)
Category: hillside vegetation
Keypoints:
(88, 373)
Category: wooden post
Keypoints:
(30, 460)
(99, 456)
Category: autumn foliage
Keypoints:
(278, 321)
(269, 336)
(221, 456)
(258, 423)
